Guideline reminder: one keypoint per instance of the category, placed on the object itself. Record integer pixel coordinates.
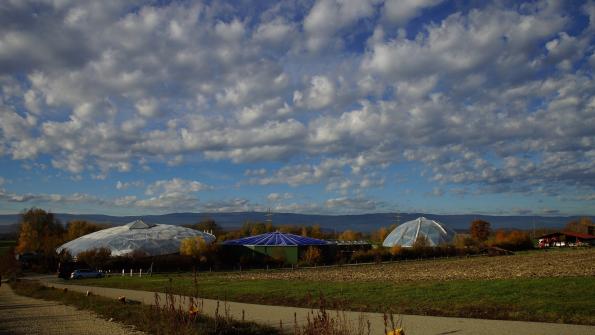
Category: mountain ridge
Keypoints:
(359, 222)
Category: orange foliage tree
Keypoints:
(583, 225)
(380, 234)
(78, 228)
(312, 255)
(39, 231)
(512, 240)
(350, 235)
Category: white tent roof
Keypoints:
(152, 239)
(406, 234)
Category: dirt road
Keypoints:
(414, 324)
(24, 315)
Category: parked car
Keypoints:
(85, 273)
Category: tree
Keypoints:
(304, 232)
(39, 231)
(380, 235)
(480, 230)
(315, 231)
(96, 258)
(350, 235)
(312, 255)
(75, 229)
(195, 247)
(583, 225)
(421, 242)
(208, 225)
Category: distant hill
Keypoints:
(363, 222)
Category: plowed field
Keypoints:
(556, 263)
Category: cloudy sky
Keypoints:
(327, 106)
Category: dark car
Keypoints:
(85, 273)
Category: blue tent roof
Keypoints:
(276, 239)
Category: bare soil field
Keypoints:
(555, 263)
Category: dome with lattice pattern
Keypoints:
(405, 235)
(150, 239)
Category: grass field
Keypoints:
(522, 295)
(5, 245)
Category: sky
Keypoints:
(326, 107)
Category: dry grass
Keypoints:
(537, 264)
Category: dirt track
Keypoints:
(24, 315)
(529, 265)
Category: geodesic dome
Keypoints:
(406, 234)
(152, 239)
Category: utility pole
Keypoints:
(268, 217)
(397, 218)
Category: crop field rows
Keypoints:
(536, 264)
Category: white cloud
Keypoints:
(401, 11)
(125, 185)
(176, 186)
(353, 204)
(327, 17)
(497, 97)
(276, 197)
(147, 107)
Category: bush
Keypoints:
(514, 240)
(372, 255)
(312, 256)
(96, 258)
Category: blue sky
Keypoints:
(329, 107)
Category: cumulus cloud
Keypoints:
(176, 186)
(276, 197)
(401, 11)
(125, 185)
(327, 17)
(497, 97)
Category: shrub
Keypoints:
(514, 240)
(96, 258)
(312, 256)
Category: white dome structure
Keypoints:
(152, 239)
(406, 234)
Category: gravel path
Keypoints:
(414, 324)
(24, 315)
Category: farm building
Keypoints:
(405, 235)
(150, 239)
(277, 245)
(565, 239)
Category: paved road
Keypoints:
(24, 315)
(413, 324)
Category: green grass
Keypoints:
(567, 300)
(143, 317)
(5, 245)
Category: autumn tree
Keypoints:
(350, 235)
(96, 258)
(421, 242)
(380, 235)
(208, 225)
(480, 230)
(195, 247)
(304, 232)
(312, 255)
(315, 231)
(39, 231)
(583, 225)
(78, 228)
